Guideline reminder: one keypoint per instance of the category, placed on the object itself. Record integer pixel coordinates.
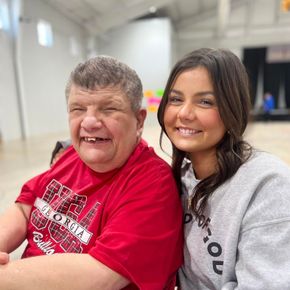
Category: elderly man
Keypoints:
(107, 214)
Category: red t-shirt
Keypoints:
(129, 219)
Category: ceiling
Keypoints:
(99, 16)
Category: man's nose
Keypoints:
(91, 122)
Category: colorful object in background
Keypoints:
(285, 4)
(153, 99)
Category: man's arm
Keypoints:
(58, 150)
(13, 228)
(58, 272)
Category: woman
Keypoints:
(236, 199)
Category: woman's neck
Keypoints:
(203, 164)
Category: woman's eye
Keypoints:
(206, 102)
(174, 99)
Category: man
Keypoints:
(107, 214)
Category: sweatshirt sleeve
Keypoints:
(263, 259)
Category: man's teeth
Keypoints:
(94, 139)
(90, 139)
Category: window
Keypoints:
(4, 15)
(44, 32)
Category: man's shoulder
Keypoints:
(145, 156)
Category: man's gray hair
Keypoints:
(104, 71)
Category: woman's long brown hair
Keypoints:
(231, 87)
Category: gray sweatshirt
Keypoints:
(243, 239)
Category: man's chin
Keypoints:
(95, 161)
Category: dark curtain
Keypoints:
(254, 59)
(287, 84)
(273, 75)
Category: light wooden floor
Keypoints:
(21, 160)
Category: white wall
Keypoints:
(9, 114)
(145, 45)
(40, 73)
(45, 70)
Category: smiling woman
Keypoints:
(236, 199)
(192, 120)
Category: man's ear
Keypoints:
(141, 116)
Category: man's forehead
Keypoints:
(97, 89)
(105, 94)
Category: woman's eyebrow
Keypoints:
(175, 91)
(198, 94)
(201, 94)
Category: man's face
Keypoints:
(103, 127)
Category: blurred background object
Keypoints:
(42, 40)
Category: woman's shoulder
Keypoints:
(268, 178)
(262, 175)
(265, 162)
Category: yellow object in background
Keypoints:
(153, 99)
(285, 5)
(152, 108)
(148, 93)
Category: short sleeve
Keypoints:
(28, 191)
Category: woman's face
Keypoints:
(191, 118)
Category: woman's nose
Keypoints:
(186, 112)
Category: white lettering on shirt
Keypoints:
(71, 225)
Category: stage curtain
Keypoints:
(254, 59)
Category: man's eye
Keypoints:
(76, 109)
(110, 109)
